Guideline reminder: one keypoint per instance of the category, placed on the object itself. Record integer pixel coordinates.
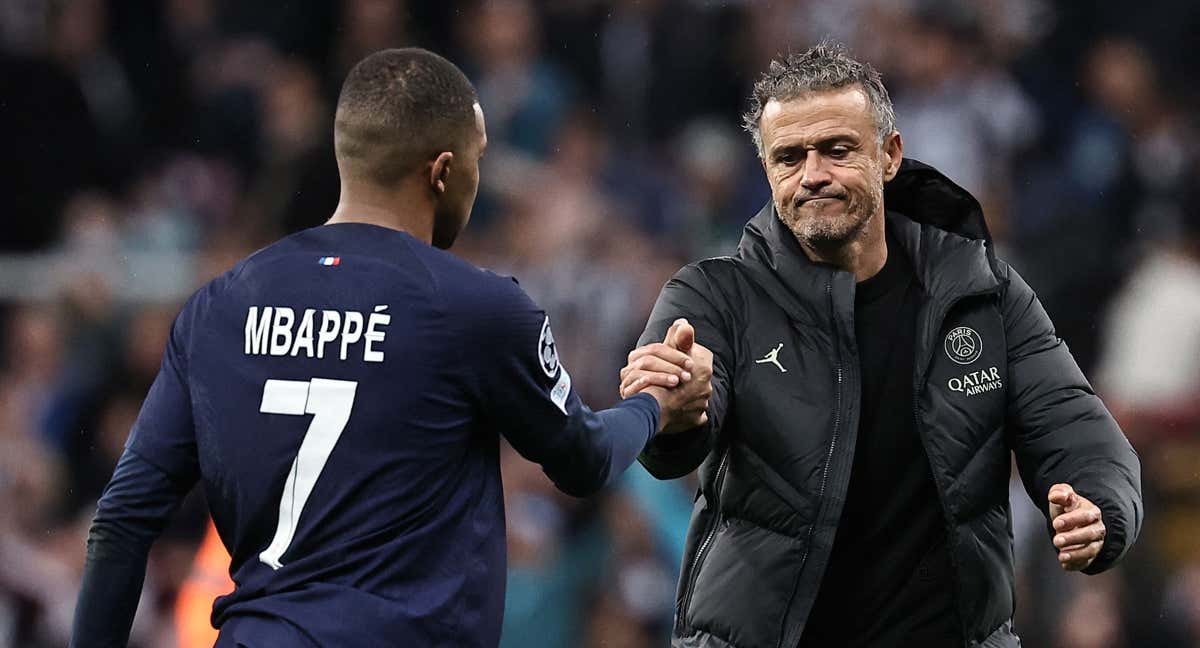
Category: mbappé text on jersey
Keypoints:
(277, 331)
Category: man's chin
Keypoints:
(825, 232)
(825, 240)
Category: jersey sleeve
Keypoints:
(137, 504)
(526, 394)
(163, 433)
(159, 466)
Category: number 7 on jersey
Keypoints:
(329, 401)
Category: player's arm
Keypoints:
(1074, 460)
(685, 296)
(137, 504)
(527, 394)
(157, 469)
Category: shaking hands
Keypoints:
(677, 372)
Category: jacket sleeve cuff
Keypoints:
(1120, 530)
(670, 456)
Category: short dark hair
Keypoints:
(825, 66)
(397, 108)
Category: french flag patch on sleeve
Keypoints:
(330, 261)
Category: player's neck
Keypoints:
(399, 210)
(863, 256)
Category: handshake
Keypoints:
(677, 372)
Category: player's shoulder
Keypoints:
(481, 303)
(212, 291)
(713, 277)
(473, 291)
(461, 287)
(196, 309)
(252, 263)
(719, 268)
(352, 247)
(454, 270)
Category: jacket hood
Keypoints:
(939, 224)
(925, 196)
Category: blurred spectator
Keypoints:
(1116, 187)
(720, 184)
(555, 553)
(639, 586)
(1162, 144)
(1150, 374)
(296, 185)
(1092, 619)
(1151, 365)
(78, 43)
(653, 76)
(368, 26)
(208, 579)
(524, 95)
(957, 109)
(43, 116)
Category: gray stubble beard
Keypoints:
(825, 234)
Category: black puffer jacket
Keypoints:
(991, 379)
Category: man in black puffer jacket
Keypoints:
(874, 369)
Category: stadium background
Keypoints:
(147, 145)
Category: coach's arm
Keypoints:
(689, 295)
(1059, 429)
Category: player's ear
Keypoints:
(439, 172)
(893, 150)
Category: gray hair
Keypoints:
(826, 66)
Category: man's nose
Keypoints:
(816, 171)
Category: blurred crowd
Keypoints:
(150, 144)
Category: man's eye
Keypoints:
(839, 152)
(786, 158)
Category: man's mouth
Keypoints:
(816, 199)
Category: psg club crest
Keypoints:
(963, 345)
(547, 351)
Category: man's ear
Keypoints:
(893, 149)
(439, 172)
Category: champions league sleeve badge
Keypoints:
(548, 359)
(548, 351)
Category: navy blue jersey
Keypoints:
(340, 396)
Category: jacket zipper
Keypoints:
(837, 419)
(918, 387)
(712, 532)
(837, 425)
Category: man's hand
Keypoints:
(1078, 527)
(677, 372)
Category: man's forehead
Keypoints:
(847, 107)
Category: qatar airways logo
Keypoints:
(976, 382)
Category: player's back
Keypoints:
(341, 441)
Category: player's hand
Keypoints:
(1078, 527)
(662, 364)
(677, 372)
